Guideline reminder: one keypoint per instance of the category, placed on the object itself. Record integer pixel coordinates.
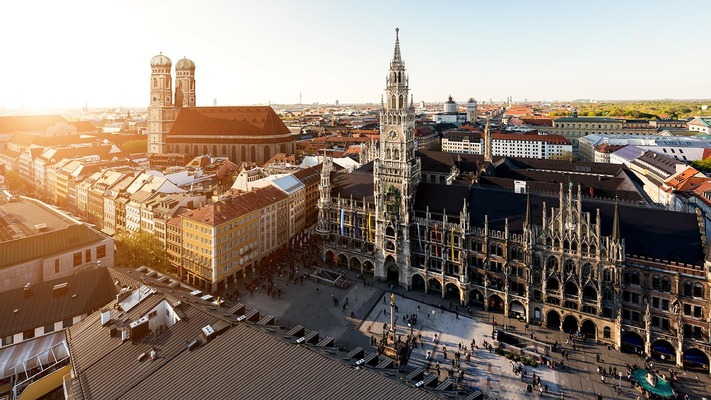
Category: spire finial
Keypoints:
(396, 54)
(527, 221)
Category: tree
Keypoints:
(702, 165)
(16, 184)
(135, 249)
(566, 156)
(135, 146)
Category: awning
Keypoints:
(17, 354)
(518, 308)
(663, 348)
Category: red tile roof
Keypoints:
(222, 211)
(229, 121)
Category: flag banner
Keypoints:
(370, 236)
(436, 240)
(343, 222)
(451, 242)
(355, 222)
(419, 238)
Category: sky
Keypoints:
(65, 54)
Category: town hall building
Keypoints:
(619, 272)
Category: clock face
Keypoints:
(392, 135)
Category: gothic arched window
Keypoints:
(155, 82)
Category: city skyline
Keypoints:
(78, 53)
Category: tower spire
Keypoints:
(616, 223)
(487, 141)
(527, 221)
(396, 54)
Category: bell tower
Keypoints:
(161, 113)
(184, 83)
(396, 172)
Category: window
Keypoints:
(698, 290)
(56, 266)
(101, 251)
(687, 309)
(77, 259)
(49, 328)
(28, 334)
(88, 255)
(606, 333)
(8, 340)
(698, 312)
(67, 323)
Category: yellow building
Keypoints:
(228, 237)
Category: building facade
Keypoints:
(565, 261)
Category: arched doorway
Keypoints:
(570, 324)
(368, 268)
(476, 297)
(342, 261)
(418, 283)
(452, 292)
(553, 320)
(435, 287)
(391, 272)
(517, 310)
(355, 264)
(663, 351)
(695, 359)
(330, 258)
(632, 343)
(589, 329)
(496, 304)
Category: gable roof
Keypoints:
(40, 305)
(228, 121)
(43, 245)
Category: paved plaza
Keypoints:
(312, 305)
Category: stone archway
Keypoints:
(452, 292)
(496, 304)
(697, 360)
(589, 329)
(368, 268)
(632, 342)
(330, 257)
(570, 324)
(517, 310)
(342, 261)
(663, 351)
(553, 320)
(476, 297)
(354, 264)
(418, 283)
(434, 286)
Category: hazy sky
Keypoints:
(63, 53)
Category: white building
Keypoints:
(508, 145)
(682, 148)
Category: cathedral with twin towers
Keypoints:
(177, 125)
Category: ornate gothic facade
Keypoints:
(626, 275)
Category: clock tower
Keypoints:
(396, 173)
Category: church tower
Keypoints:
(161, 113)
(396, 173)
(184, 83)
